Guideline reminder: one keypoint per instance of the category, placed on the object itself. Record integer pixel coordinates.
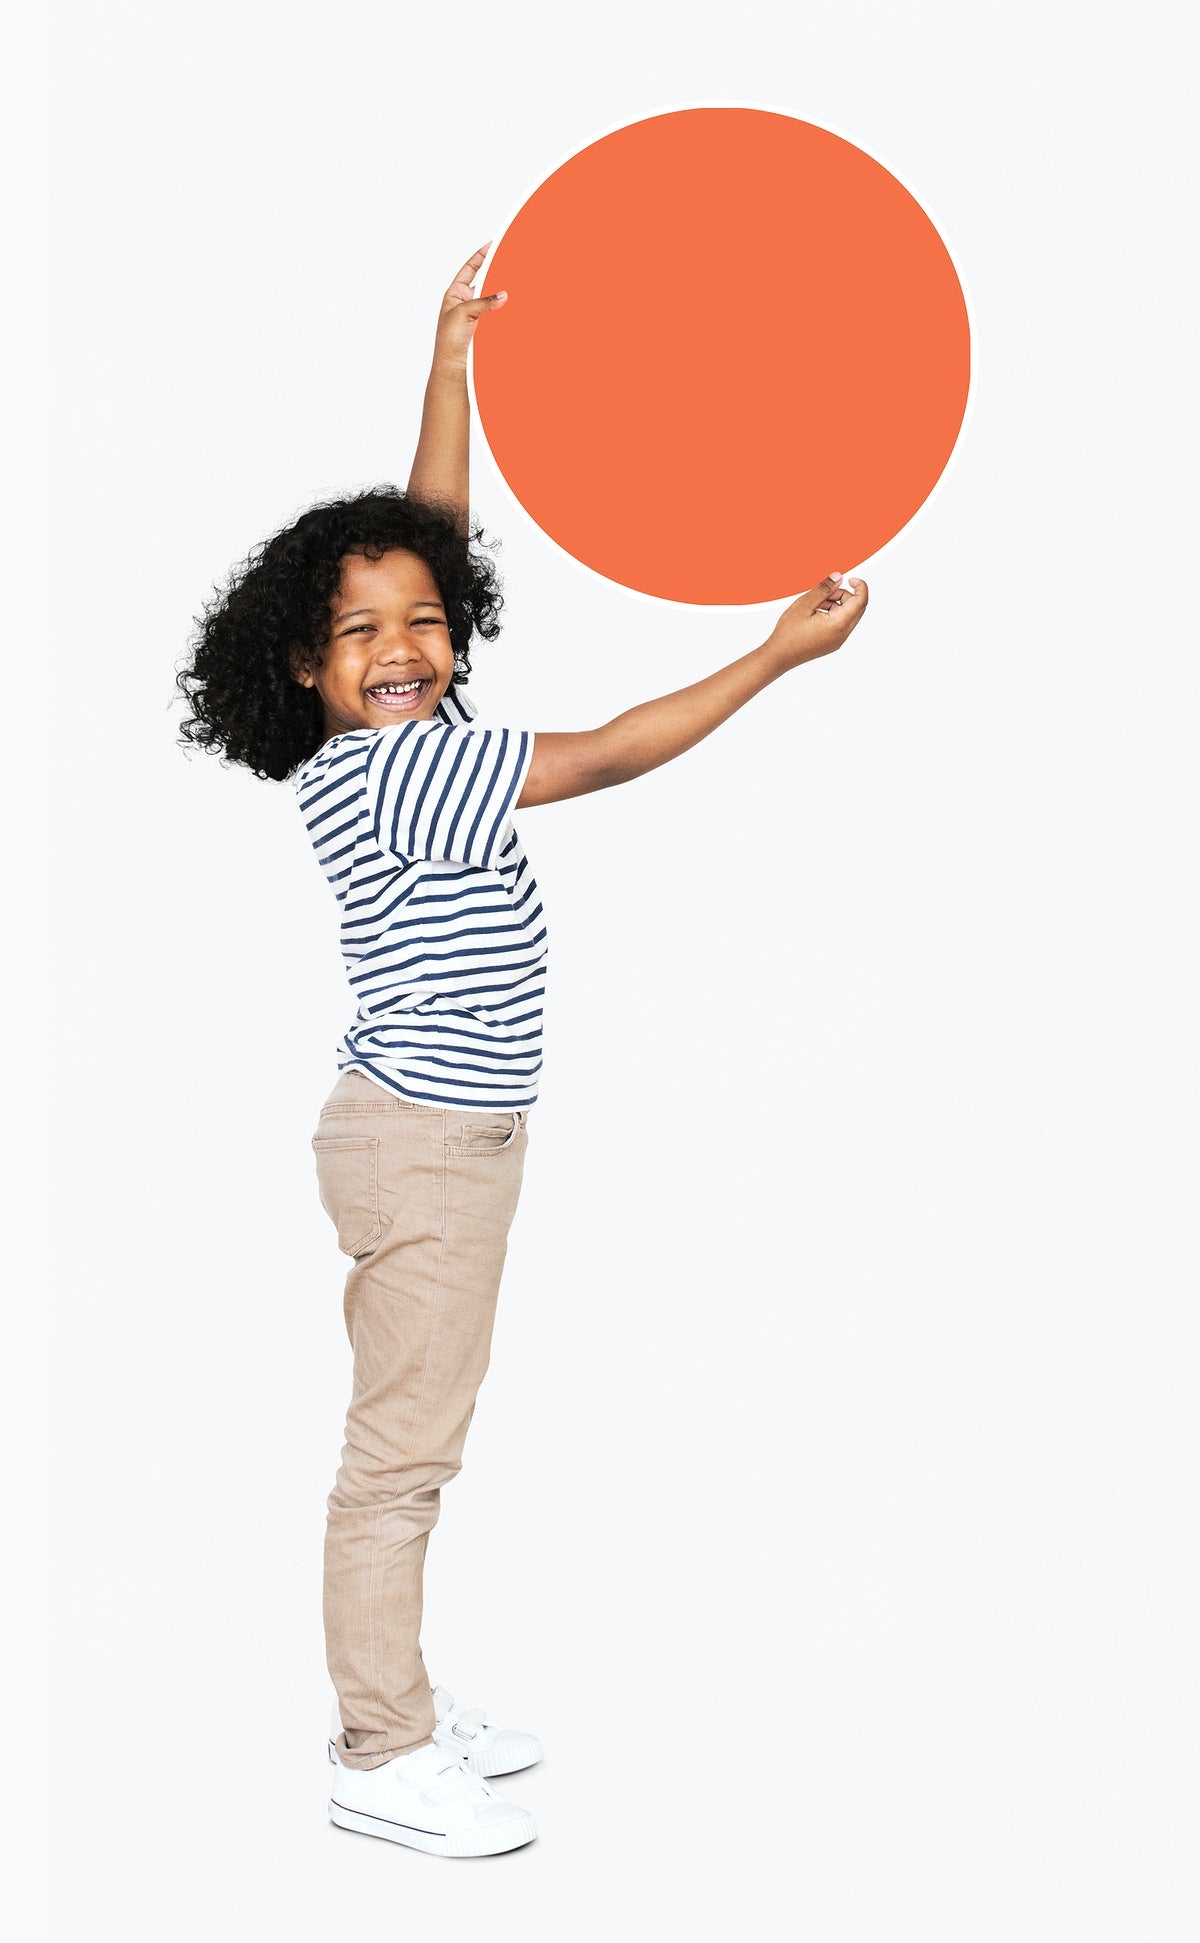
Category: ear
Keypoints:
(300, 667)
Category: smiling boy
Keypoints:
(339, 658)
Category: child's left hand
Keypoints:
(461, 311)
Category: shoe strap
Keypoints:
(455, 1783)
(466, 1724)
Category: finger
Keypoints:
(844, 600)
(471, 268)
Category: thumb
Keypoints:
(479, 306)
(825, 589)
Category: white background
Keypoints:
(829, 1509)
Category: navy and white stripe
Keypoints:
(442, 929)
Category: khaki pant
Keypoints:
(422, 1198)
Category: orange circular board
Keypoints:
(735, 355)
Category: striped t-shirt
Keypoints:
(441, 921)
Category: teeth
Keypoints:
(396, 687)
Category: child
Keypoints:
(338, 656)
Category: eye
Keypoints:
(429, 621)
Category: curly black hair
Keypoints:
(239, 683)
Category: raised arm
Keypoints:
(655, 732)
(441, 466)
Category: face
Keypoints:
(389, 631)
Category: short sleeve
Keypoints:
(438, 791)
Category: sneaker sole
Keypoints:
(493, 1840)
(475, 1762)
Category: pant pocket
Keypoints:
(485, 1133)
(348, 1178)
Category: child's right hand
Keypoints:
(460, 312)
(819, 621)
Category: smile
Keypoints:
(399, 695)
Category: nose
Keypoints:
(399, 649)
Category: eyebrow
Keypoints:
(355, 611)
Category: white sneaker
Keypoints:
(428, 1800)
(485, 1749)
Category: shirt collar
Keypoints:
(455, 707)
